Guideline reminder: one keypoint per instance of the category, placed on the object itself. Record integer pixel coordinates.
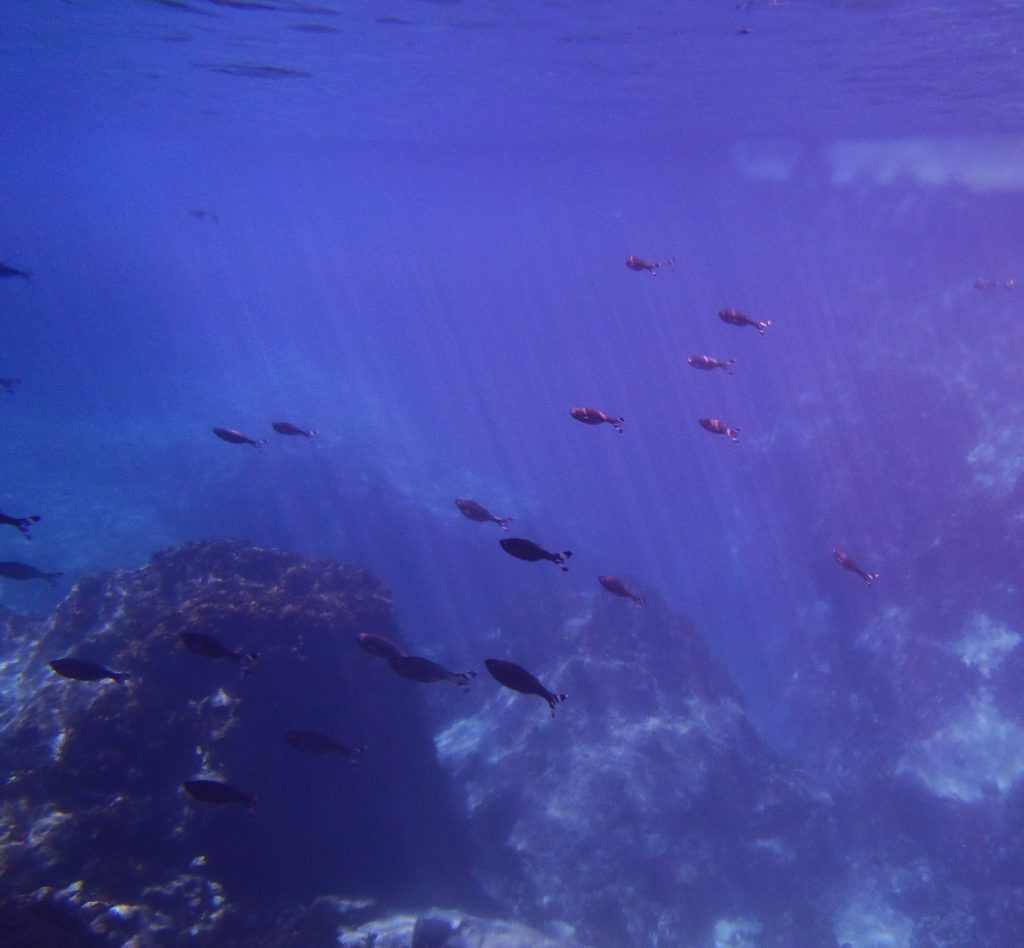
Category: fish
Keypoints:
(735, 318)
(422, 669)
(615, 585)
(6, 271)
(20, 523)
(719, 427)
(591, 416)
(12, 570)
(985, 284)
(519, 679)
(651, 266)
(313, 742)
(236, 437)
(378, 645)
(206, 645)
(707, 363)
(846, 563)
(217, 792)
(81, 670)
(481, 514)
(8, 385)
(203, 215)
(529, 551)
(287, 428)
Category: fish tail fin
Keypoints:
(252, 804)
(617, 422)
(734, 435)
(259, 442)
(503, 522)
(554, 699)
(120, 677)
(52, 577)
(464, 678)
(729, 363)
(248, 660)
(871, 577)
(312, 433)
(639, 600)
(761, 327)
(353, 757)
(27, 275)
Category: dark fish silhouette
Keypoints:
(236, 437)
(206, 645)
(529, 551)
(23, 571)
(591, 416)
(519, 679)
(615, 585)
(735, 318)
(202, 215)
(846, 563)
(481, 514)
(214, 791)
(378, 645)
(720, 428)
(8, 385)
(313, 742)
(651, 266)
(986, 284)
(81, 670)
(422, 669)
(287, 428)
(19, 523)
(707, 363)
(6, 271)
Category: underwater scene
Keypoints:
(486, 474)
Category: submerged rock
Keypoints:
(92, 771)
(648, 811)
(449, 929)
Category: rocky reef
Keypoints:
(648, 811)
(100, 844)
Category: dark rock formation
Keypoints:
(91, 796)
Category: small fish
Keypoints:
(846, 563)
(313, 742)
(6, 271)
(287, 428)
(651, 266)
(378, 645)
(207, 646)
(519, 679)
(735, 318)
(481, 514)
(20, 523)
(529, 551)
(615, 585)
(214, 791)
(591, 416)
(23, 571)
(707, 363)
(422, 669)
(202, 215)
(987, 284)
(719, 427)
(236, 437)
(8, 385)
(81, 670)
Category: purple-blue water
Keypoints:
(415, 221)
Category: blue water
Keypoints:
(418, 250)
